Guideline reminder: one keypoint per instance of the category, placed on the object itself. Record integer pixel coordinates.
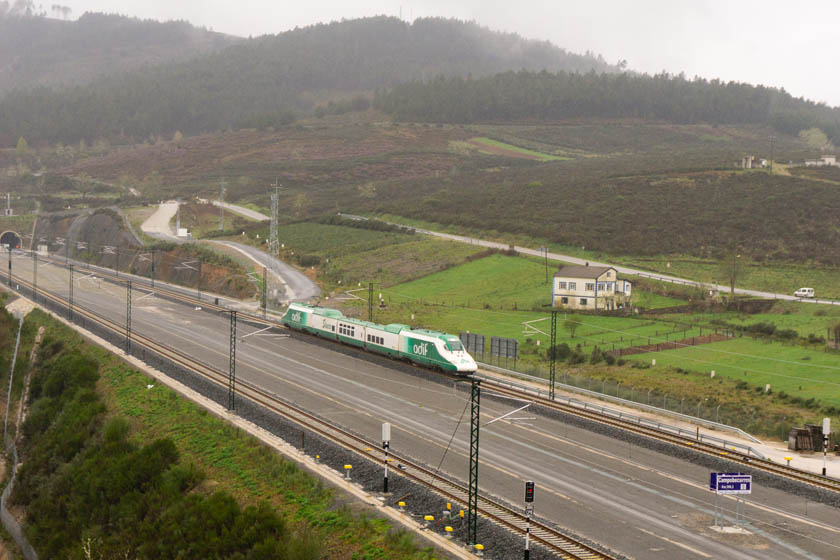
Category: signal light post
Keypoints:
(529, 511)
(386, 443)
(826, 430)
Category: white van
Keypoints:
(804, 292)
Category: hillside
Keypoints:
(621, 186)
(39, 51)
(534, 97)
(266, 81)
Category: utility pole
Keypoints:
(546, 264)
(232, 365)
(772, 152)
(10, 265)
(472, 497)
(153, 269)
(70, 297)
(198, 283)
(222, 188)
(370, 301)
(552, 368)
(265, 290)
(35, 274)
(273, 244)
(128, 317)
(118, 261)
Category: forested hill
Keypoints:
(262, 81)
(517, 96)
(37, 50)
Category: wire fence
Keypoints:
(705, 408)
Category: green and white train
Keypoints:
(429, 348)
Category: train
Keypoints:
(424, 347)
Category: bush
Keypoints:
(559, 351)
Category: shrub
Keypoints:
(559, 351)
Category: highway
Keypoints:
(632, 500)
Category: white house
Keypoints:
(589, 287)
(823, 161)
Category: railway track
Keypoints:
(743, 459)
(732, 455)
(554, 540)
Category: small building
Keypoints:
(825, 160)
(589, 287)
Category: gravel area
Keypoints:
(420, 501)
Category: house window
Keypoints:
(573, 285)
(561, 285)
(564, 300)
(602, 287)
(582, 301)
(590, 287)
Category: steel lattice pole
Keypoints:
(128, 317)
(232, 366)
(552, 371)
(472, 498)
(70, 296)
(35, 276)
(265, 290)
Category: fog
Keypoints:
(772, 42)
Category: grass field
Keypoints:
(497, 147)
(800, 372)
(778, 278)
(496, 281)
(803, 318)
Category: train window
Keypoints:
(455, 345)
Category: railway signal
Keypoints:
(826, 430)
(529, 510)
(386, 443)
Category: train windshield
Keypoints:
(454, 345)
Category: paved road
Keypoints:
(157, 225)
(242, 211)
(633, 500)
(621, 269)
(296, 285)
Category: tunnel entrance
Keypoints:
(10, 238)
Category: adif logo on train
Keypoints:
(422, 349)
(296, 316)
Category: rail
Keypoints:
(558, 542)
(618, 400)
(650, 429)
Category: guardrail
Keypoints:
(639, 420)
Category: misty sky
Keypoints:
(772, 42)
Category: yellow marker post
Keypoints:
(479, 550)
(448, 530)
(347, 469)
(788, 459)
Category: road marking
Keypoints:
(675, 543)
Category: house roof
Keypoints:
(577, 271)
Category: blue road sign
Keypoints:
(730, 483)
